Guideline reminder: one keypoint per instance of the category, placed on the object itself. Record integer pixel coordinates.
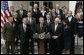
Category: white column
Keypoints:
(10, 3)
(72, 6)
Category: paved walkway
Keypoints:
(78, 47)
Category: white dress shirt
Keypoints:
(24, 25)
(35, 10)
(56, 26)
(22, 12)
(69, 18)
(48, 21)
(43, 12)
(29, 19)
(57, 10)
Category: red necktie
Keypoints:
(24, 28)
(21, 14)
(41, 27)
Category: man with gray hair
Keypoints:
(56, 34)
(23, 36)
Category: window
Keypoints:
(32, 3)
(48, 4)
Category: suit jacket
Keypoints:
(32, 25)
(58, 31)
(23, 36)
(16, 27)
(36, 15)
(48, 25)
(38, 30)
(8, 32)
(73, 24)
(64, 17)
(20, 18)
(52, 16)
(61, 12)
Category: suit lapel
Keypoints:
(39, 28)
(22, 28)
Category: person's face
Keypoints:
(64, 23)
(35, 6)
(53, 10)
(48, 17)
(57, 6)
(63, 9)
(12, 8)
(21, 7)
(24, 21)
(56, 21)
(81, 16)
(11, 19)
(29, 14)
(30, 8)
(69, 14)
(50, 10)
(41, 20)
(59, 16)
(66, 11)
(43, 8)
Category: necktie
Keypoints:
(24, 28)
(41, 27)
(21, 14)
(29, 20)
(48, 22)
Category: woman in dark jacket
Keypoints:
(67, 34)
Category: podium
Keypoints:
(41, 38)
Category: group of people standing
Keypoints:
(59, 23)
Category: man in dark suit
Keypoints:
(56, 32)
(30, 9)
(32, 22)
(58, 10)
(48, 23)
(53, 14)
(41, 28)
(21, 13)
(36, 13)
(65, 15)
(9, 35)
(73, 23)
(23, 36)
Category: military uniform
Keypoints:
(9, 36)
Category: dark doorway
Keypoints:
(32, 3)
(48, 4)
